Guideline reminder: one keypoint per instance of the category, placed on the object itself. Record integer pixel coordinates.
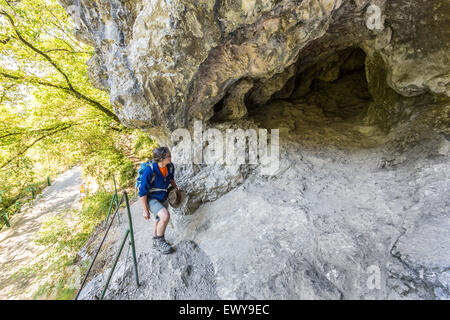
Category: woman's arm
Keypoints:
(146, 211)
(172, 182)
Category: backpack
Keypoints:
(141, 171)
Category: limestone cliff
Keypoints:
(360, 92)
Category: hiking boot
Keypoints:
(162, 246)
(167, 247)
(155, 241)
(167, 241)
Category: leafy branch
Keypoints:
(45, 133)
(69, 88)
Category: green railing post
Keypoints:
(110, 208)
(5, 215)
(115, 187)
(115, 192)
(133, 247)
(48, 180)
(129, 232)
(114, 265)
(98, 250)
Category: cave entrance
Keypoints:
(336, 84)
(329, 94)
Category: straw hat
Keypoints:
(176, 197)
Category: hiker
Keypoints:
(155, 195)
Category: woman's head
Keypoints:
(162, 155)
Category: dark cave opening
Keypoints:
(218, 107)
(337, 98)
(327, 102)
(336, 84)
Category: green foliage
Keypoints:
(118, 157)
(108, 161)
(143, 146)
(50, 115)
(95, 207)
(63, 236)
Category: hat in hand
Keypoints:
(176, 197)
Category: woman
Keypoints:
(154, 195)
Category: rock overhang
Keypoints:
(168, 63)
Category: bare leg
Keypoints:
(155, 228)
(164, 217)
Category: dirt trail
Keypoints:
(17, 247)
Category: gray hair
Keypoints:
(160, 153)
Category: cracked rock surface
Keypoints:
(348, 215)
(167, 63)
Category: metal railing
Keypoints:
(129, 233)
(115, 200)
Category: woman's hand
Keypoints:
(175, 185)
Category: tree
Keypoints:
(43, 37)
(49, 112)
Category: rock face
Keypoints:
(359, 91)
(166, 63)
